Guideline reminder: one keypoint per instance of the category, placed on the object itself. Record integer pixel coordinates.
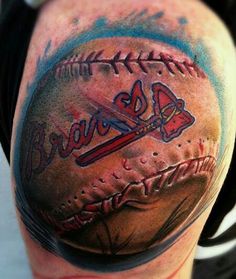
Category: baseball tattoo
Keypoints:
(118, 149)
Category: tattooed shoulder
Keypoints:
(119, 144)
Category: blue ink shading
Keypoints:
(47, 47)
(158, 15)
(183, 20)
(141, 14)
(38, 61)
(102, 21)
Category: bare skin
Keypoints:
(123, 135)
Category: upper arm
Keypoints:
(121, 134)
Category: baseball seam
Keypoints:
(82, 65)
(165, 178)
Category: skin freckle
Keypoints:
(105, 69)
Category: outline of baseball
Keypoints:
(118, 149)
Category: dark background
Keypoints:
(221, 267)
(226, 9)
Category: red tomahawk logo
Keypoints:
(169, 117)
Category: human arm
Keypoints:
(152, 88)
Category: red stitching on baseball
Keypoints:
(163, 179)
(125, 166)
(83, 65)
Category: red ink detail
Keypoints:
(143, 160)
(174, 118)
(135, 103)
(169, 116)
(116, 176)
(201, 146)
(91, 207)
(173, 275)
(116, 200)
(106, 206)
(84, 65)
(161, 164)
(37, 140)
(167, 59)
(60, 129)
(105, 149)
(125, 165)
(147, 186)
(73, 111)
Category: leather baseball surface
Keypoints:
(118, 145)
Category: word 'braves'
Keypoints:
(167, 122)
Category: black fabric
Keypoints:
(16, 25)
(224, 204)
(226, 200)
(226, 9)
(221, 267)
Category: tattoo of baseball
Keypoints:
(118, 151)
